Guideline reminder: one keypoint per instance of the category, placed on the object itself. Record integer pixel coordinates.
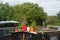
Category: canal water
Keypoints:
(53, 38)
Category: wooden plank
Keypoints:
(23, 36)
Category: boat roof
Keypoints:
(9, 22)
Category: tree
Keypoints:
(52, 19)
(58, 15)
(29, 12)
(5, 12)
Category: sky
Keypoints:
(52, 7)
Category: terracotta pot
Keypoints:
(16, 30)
(19, 30)
(32, 29)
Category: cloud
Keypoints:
(52, 12)
(11, 2)
(52, 7)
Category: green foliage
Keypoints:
(5, 12)
(28, 12)
(58, 19)
(58, 15)
(22, 24)
(33, 24)
(52, 20)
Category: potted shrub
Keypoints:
(22, 24)
(20, 27)
(32, 27)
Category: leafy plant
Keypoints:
(22, 23)
(33, 24)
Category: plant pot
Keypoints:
(19, 29)
(28, 29)
(32, 29)
(16, 30)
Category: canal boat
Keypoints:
(7, 26)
